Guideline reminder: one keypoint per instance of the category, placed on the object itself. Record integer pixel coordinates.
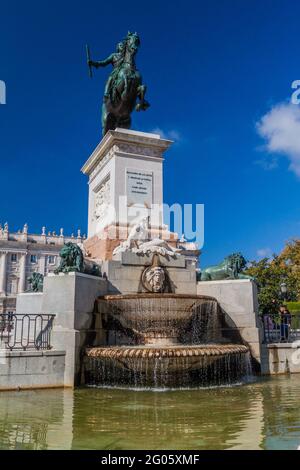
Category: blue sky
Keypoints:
(214, 69)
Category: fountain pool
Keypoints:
(260, 415)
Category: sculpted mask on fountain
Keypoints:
(154, 279)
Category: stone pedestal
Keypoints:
(125, 274)
(71, 298)
(125, 183)
(29, 302)
(238, 300)
(281, 358)
(101, 246)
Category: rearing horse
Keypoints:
(124, 86)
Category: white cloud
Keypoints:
(171, 134)
(280, 128)
(264, 252)
(268, 164)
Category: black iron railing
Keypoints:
(25, 331)
(284, 328)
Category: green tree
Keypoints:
(269, 274)
(291, 256)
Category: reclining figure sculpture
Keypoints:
(138, 242)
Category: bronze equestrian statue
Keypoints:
(124, 90)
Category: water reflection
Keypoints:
(263, 415)
(36, 420)
(167, 420)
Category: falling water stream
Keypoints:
(163, 341)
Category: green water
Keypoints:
(261, 415)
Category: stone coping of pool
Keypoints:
(31, 352)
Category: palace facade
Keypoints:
(21, 254)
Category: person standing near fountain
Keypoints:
(285, 322)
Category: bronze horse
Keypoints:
(124, 86)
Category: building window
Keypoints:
(13, 258)
(51, 259)
(33, 258)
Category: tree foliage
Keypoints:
(291, 256)
(271, 272)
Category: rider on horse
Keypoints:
(115, 59)
(124, 85)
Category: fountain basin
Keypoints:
(164, 340)
(179, 366)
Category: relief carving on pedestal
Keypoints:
(102, 200)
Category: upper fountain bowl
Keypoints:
(163, 319)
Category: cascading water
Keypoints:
(164, 340)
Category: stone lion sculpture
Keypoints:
(36, 281)
(71, 259)
(230, 268)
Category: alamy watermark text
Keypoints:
(2, 92)
(295, 99)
